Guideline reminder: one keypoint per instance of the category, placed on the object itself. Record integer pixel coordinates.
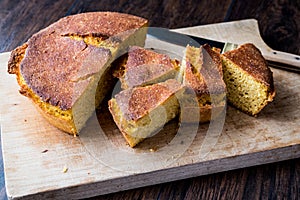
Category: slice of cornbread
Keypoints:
(144, 67)
(140, 111)
(65, 68)
(202, 74)
(248, 78)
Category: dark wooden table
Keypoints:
(279, 22)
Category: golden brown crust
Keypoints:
(140, 111)
(249, 80)
(250, 59)
(15, 59)
(145, 65)
(213, 62)
(204, 77)
(99, 24)
(137, 102)
(209, 77)
(60, 80)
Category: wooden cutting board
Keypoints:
(41, 162)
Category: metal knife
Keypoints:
(183, 40)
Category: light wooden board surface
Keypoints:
(239, 33)
(99, 162)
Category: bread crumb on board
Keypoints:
(65, 169)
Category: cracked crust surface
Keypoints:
(204, 78)
(250, 59)
(57, 67)
(135, 103)
(248, 78)
(204, 70)
(60, 80)
(145, 67)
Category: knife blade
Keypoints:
(183, 40)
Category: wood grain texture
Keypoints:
(20, 19)
(277, 19)
(250, 31)
(262, 182)
(162, 13)
(242, 141)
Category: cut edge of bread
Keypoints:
(137, 129)
(244, 91)
(74, 119)
(158, 69)
(206, 106)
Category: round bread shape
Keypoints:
(60, 67)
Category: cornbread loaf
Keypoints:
(65, 68)
(144, 67)
(201, 72)
(248, 78)
(140, 111)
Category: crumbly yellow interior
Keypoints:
(198, 107)
(96, 41)
(73, 120)
(49, 111)
(70, 120)
(243, 91)
(136, 131)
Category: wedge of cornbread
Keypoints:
(201, 72)
(65, 68)
(145, 67)
(248, 78)
(140, 111)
